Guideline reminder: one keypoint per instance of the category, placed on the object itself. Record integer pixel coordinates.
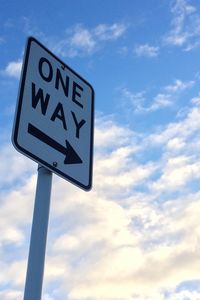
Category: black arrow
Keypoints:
(71, 157)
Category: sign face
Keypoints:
(54, 118)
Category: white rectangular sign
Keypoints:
(54, 119)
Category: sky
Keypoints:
(136, 234)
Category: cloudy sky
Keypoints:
(136, 234)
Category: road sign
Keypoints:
(54, 117)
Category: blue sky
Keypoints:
(135, 235)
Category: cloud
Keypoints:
(136, 101)
(159, 102)
(180, 163)
(11, 294)
(183, 294)
(19, 167)
(105, 32)
(177, 172)
(146, 50)
(165, 98)
(185, 26)
(181, 129)
(179, 85)
(196, 100)
(126, 239)
(184, 30)
(80, 40)
(13, 69)
(134, 236)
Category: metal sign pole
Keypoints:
(36, 260)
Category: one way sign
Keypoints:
(54, 117)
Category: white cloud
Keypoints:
(137, 101)
(106, 139)
(11, 235)
(166, 98)
(84, 41)
(13, 69)
(146, 50)
(180, 163)
(179, 85)
(175, 144)
(130, 237)
(183, 294)
(183, 129)
(18, 165)
(177, 172)
(185, 25)
(160, 101)
(134, 244)
(196, 100)
(11, 295)
(105, 32)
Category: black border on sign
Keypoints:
(18, 114)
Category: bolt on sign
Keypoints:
(54, 120)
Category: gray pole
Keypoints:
(36, 260)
